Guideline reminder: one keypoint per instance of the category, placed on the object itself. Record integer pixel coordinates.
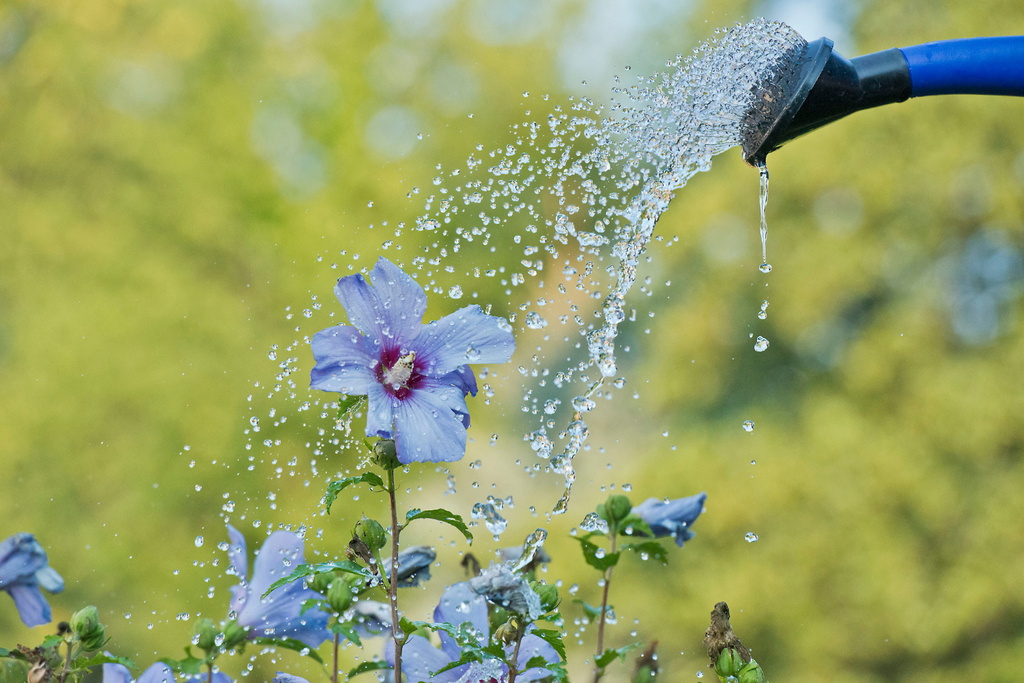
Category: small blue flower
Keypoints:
(413, 565)
(157, 673)
(460, 604)
(218, 677)
(282, 677)
(23, 570)
(279, 615)
(673, 518)
(415, 376)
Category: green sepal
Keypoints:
(336, 487)
(291, 644)
(652, 548)
(189, 665)
(608, 656)
(304, 570)
(552, 638)
(52, 640)
(443, 516)
(345, 628)
(590, 554)
(368, 666)
(635, 523)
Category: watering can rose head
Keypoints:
(23, 571)
(414, 376)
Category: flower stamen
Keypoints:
(399, 373)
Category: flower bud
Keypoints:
(386, 455)
(206, 631)
(507, 632)
(86, 625)
(616, 509)
(729, 662)
(234, 635)
(370, 532)
(752, 673)
(339, 595)
(548, 595)
(321, 582)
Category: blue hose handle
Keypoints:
(968, 66)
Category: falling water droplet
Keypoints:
(751, 537)
(533, 543)
(199, 541)
(455, 292)
(592, 522)
(748, 426)
(765, 267)
(761, 344)
(763, 169)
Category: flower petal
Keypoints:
(48, 578)
(116, 673)
(460, 603)
(466, 336)
(21, 556)
(672, 518)
(240, 564)
(449, 389)
(343, 361)
(278, 614)
(420, 659)
(535, 646)
(282, 677)
(426, 430)
(391, 311)
(380, 414)
(157, 673)
(32, 606)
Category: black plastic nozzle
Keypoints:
(819, 87)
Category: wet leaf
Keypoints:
(291, 644)
(553, 638)
(443, 516)
(368, 666)
(608, 656)
(336, 487)
(652, 548)
(590, 610)
(345, 628)
(52, 641)
(590, 554)
(635, 524)
(102, 658)
(307, 570)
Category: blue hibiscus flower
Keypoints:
(23, 571)
(415, 376)
(672, 518)
(279, 615)
(459, 604)
(157, 673)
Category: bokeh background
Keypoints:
(177, 179)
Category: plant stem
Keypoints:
(598, 671)
(67, 665)
(209, 675)
(393, 583)
(513, 668)
(334, 679)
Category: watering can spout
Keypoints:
(816, 85)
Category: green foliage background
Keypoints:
(148, 254)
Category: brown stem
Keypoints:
(598, 671)
(209, 675)
(513, 668)
(393, 582)
(334, 678)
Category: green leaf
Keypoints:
(189, 665)
(608, 656)
(336, 487)
(590, 610)
(368, 666)
(558, 673)
(346, 403)
(12, 654)
(52, 641)
(316, 603)
(101, 658)
(536, 662)
(443, 516)
(652, 548)
(292, 644)
(552, 638)
(636, 524)
(345, 628)
(590, 555)
(306, 570)
(409, 625)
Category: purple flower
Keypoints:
(415, 376)
(23, 570)
(460, 604)
(672, 518)
(279, 614)
(157, 673)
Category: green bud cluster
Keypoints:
(86, 626)
(731, 667)
(205, 634)
(548, 594)
(234, 635)
(614, 511)
(339, 595)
